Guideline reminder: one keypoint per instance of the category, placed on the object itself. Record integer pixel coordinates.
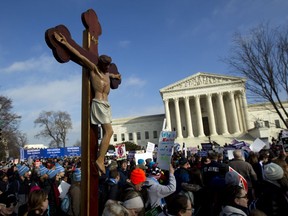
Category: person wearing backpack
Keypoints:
(75, 194)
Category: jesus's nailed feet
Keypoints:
(100, 168)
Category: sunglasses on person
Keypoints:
(244, 197)
(8, 205)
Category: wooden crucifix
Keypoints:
(102, 75)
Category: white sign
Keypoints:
(230, 154)
(165, 149)
(150, 147)
(257, 145)
(63, 189)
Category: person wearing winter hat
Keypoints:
(8, 202)
(141, 165)
(20, 185)
(140, 161)
(59, 168)
(272, 199)
(51, 187)
(23, 170)
(131, 196)
(77, 175)
(51, 173)
(60, 171)
(114, 208)
(75, 193)
(182, 174)
(137, 178)
(156, 191)
(151, 164)
(42, 170)
(134, 204)
(273, 172)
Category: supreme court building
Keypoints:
(200, 108)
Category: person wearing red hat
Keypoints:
(137, 178)
(132, 196)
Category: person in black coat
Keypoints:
(8, 203)
(3, 182)
(273, 199)
(124, 172)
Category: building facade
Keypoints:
(200, 108)
(139, 130)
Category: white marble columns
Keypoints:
(235, 121)
(188, 117)
(222, 113)
(211, 116)
(178, 119)
(221, 108)
(199, 116)
(167, 112)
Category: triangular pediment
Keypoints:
(201, 79)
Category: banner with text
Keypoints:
(51, 153)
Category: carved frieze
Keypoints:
(202, 80)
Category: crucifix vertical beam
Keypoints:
(89, 132)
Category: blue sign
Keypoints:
(51, 152)
(207, 146)
(72, 151)
(54, 152)
(32, 153)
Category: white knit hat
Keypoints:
(273, 172)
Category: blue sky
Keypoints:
(153, 42)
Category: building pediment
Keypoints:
(202, 80)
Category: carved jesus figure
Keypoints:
(100, 107)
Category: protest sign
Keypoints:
(63, 189)
(49, 152)
(239, 145)
(257, 145)
(165, 149)
(120, 150)
(150, 147)
(206, 146)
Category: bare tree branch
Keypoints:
(262, 57)
(55, 126)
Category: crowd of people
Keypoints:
(32, 188)
(255, 183)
